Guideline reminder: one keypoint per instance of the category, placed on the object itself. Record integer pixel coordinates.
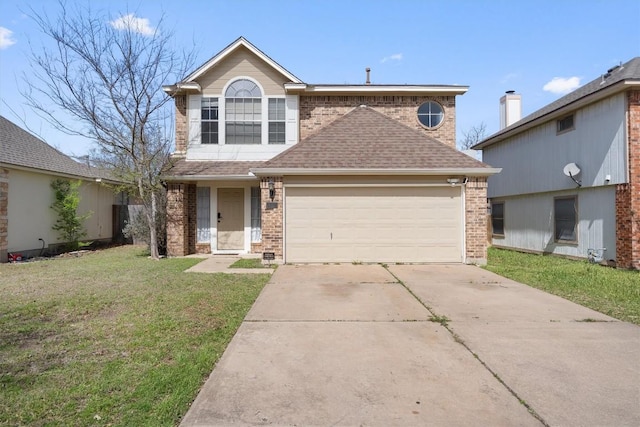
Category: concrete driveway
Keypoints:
(356, 345)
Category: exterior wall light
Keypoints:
(272, 189)
(453, 181)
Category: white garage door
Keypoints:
(373, 224)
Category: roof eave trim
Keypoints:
(180, 178)
(372, 171)
(230, 49)
(181, 87)
(578, 103)
(58, 173)
(456, 90)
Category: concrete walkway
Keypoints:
(356, 345)
(221, 263)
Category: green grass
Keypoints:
(610, 291)
(250, 263)
(112, 337)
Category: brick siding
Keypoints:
(182, 125)
(476, 221)
(318, 111)
(181, 219)
(4, 214)
(272, 226)
(628, 195)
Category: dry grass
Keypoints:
(112, 337)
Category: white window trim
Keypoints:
(194, 123)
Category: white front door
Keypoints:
(230, 219)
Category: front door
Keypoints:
(230, 219)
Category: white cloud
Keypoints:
(562, 85)
(508, 77)
(394, 57)
(5, 38)
(133, 23)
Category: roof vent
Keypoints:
(368, 70)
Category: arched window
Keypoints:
(243, 113)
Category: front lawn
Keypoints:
(610, 291)
(112, 337)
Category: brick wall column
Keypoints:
(272, 224)
(628, 195)
(181, 123)
(623, 226)
(476, 221)
(4, 214)
(192, 217)
(181, 218)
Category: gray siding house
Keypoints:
(570, 180)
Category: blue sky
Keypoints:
(538, 48)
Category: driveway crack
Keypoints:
(444, 321)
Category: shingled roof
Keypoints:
(194, 169)
(627, 72)
(20, 148)
(365, 139)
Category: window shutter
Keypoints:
(194, 118)
(291, 126)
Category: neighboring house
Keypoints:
(591, 135)
(299, 172)
(27, 167)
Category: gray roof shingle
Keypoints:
(367, 139)
(194, 168)
(626, 72)
(20, 148)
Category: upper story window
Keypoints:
(209, 120)
(430, 114)
(276, 121)
(243, 113)
(565, 124)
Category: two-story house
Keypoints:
(570, 179)
(299, 172)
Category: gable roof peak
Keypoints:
(232, 47)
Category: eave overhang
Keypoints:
(182, 87)
(474, 172)
(376, 89)
(190, 178)
(96, 178)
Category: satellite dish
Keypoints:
(571, 170)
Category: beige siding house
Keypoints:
(27, 167)
(303, 173)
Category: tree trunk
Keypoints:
(153, 236)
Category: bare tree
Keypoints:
(473, 136)
(105, 77)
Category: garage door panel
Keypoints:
(373, 224)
